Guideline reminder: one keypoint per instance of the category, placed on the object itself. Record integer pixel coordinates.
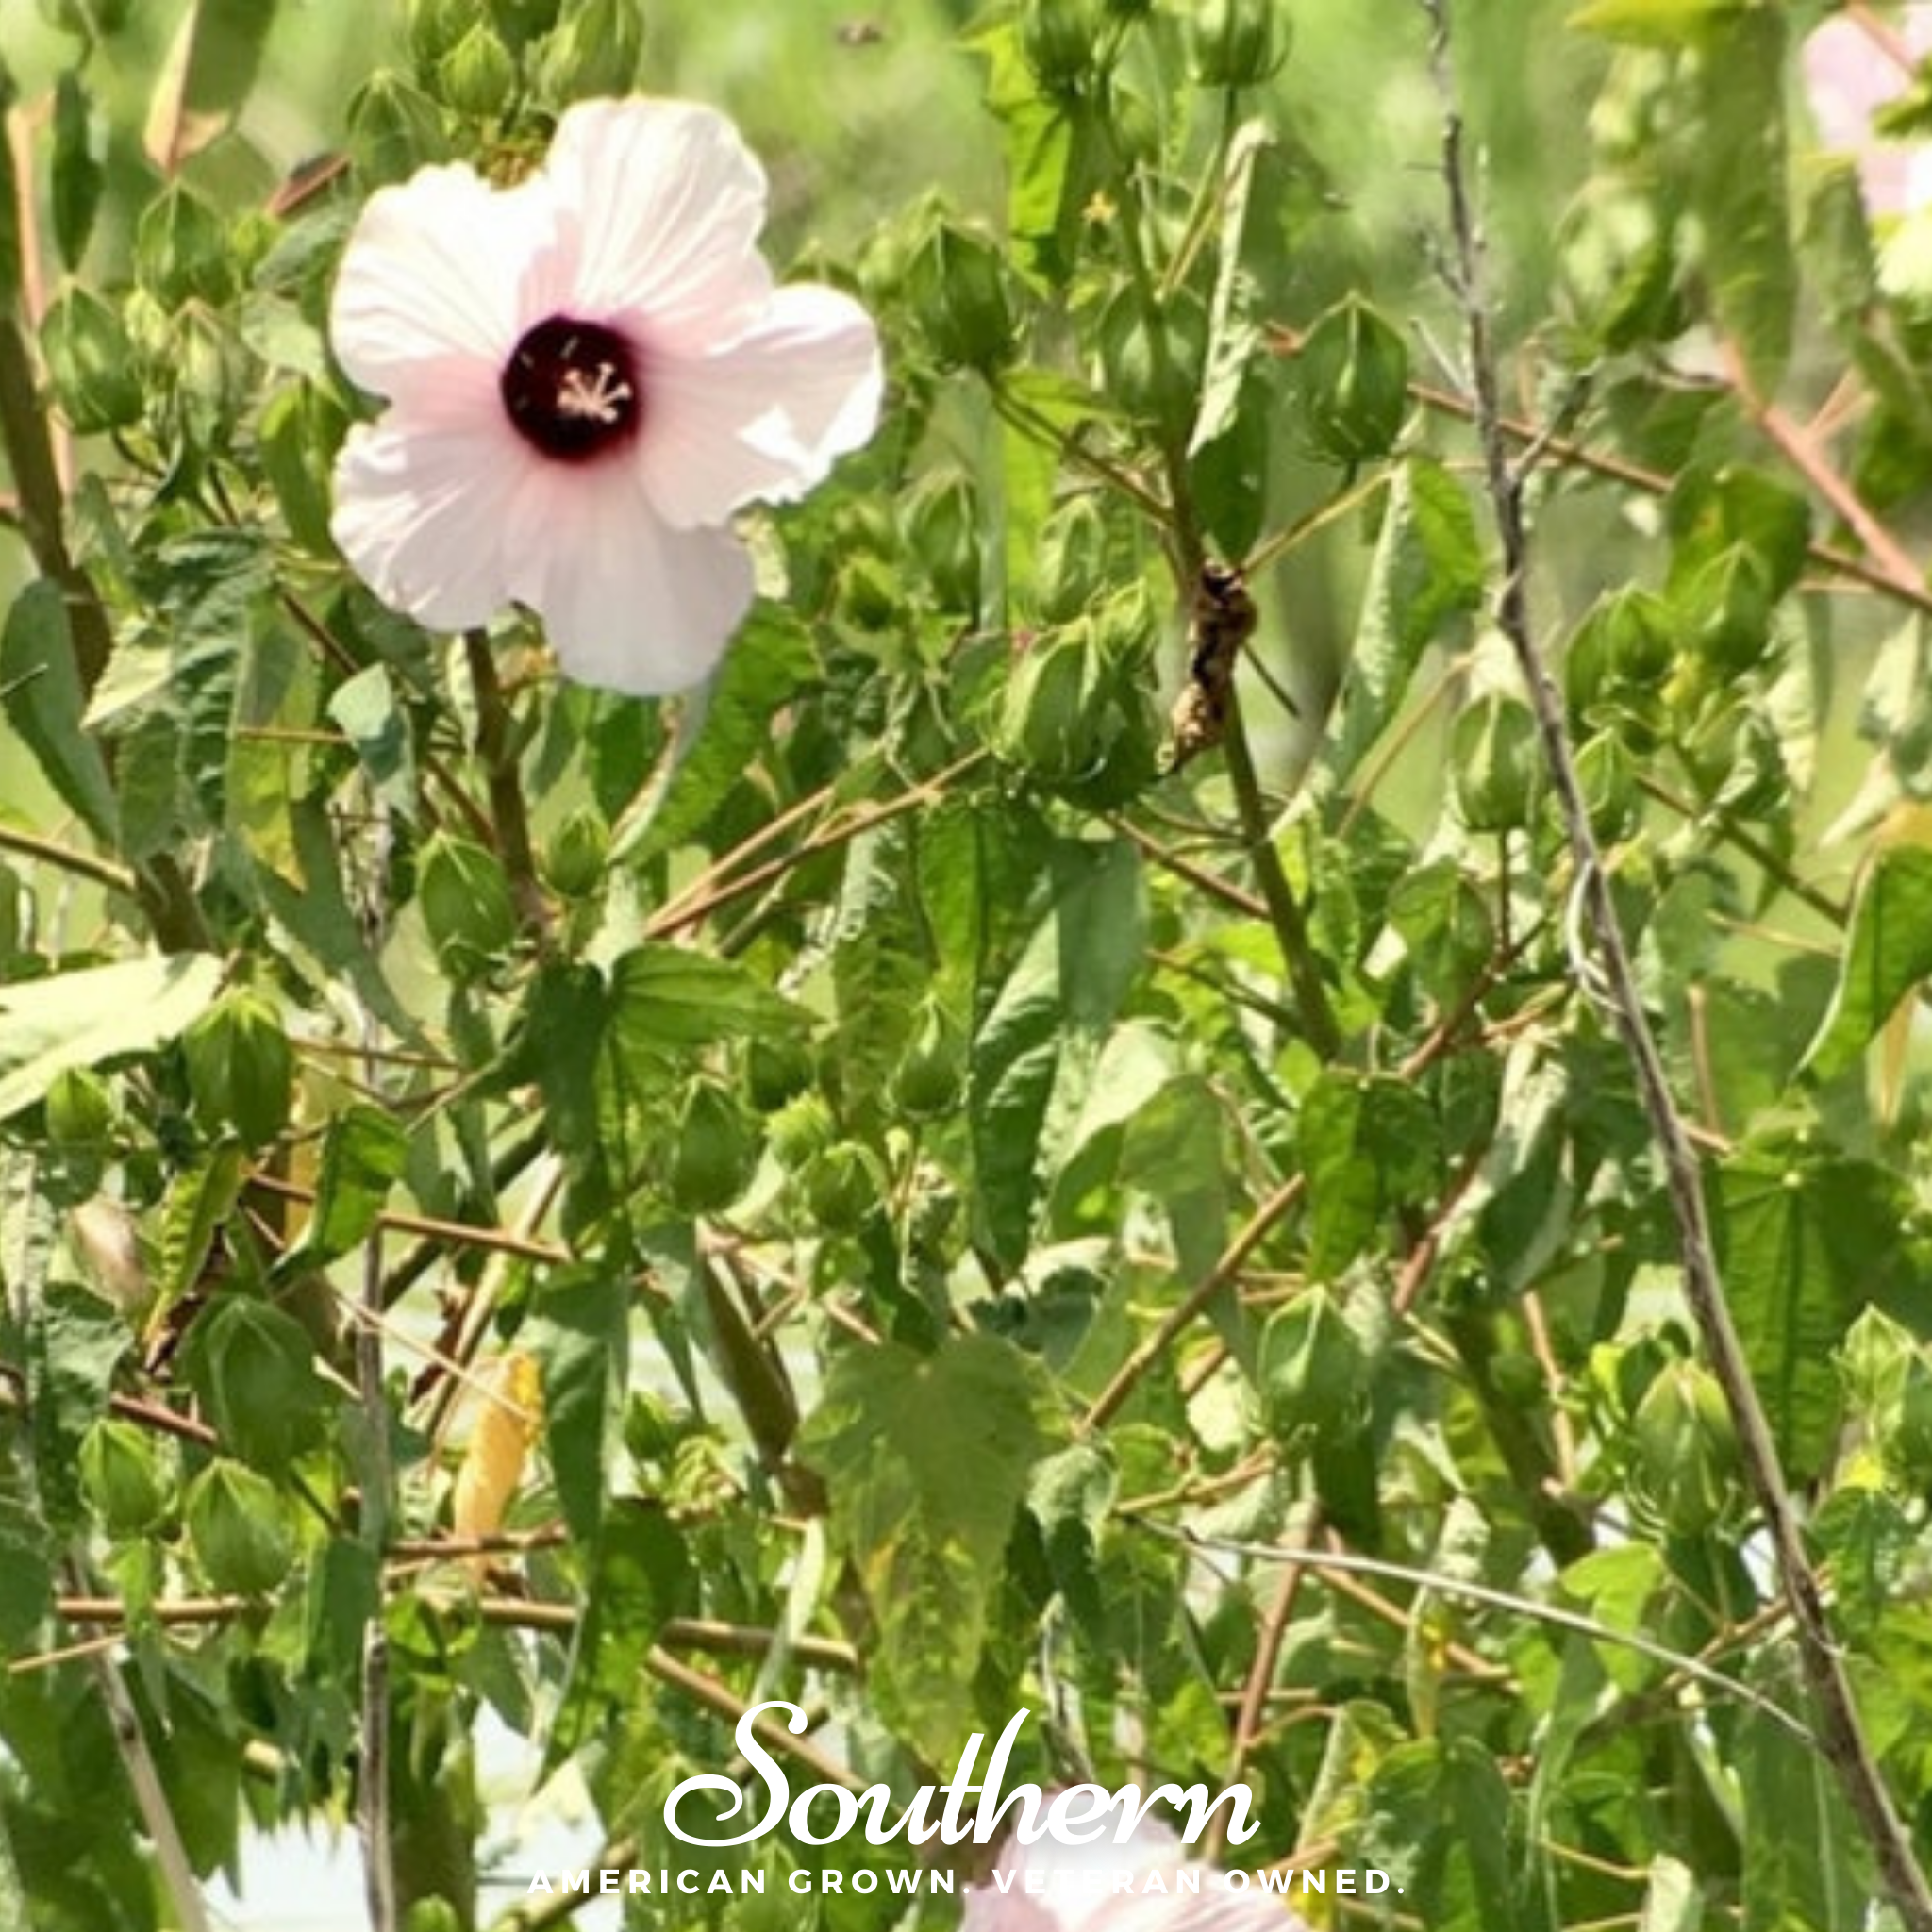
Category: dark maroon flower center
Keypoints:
(571, 388)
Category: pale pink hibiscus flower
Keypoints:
(587, 375)
(1147, 1885)
(1853, 67)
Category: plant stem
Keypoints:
(1841, 1736)
(498, 757)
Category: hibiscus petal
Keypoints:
(423, 500)
(434, 277)
(764, 418)
(660, 204)
(627, 603)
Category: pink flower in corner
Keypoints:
(1852, 68)
(586, 376)
(1111, 1888)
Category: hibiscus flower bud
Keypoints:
(477, 76)
(941, 519)
(394, 130)
(80, 1110)
(1352, 383)
(122, 1476)
(1072, 559)
(238, 1527)
(958, 289)
(434, 26)
(466, 904)
(594, 52)
(241, 1068)
(1060, 39)
(181, 250)
(574, 860)
(842, 1186)
(927, 1082)
(1496, 763)
(90, 363)
(1684, 1460)
(712, 1153)
(1238, 42)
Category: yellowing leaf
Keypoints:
(492, 1467)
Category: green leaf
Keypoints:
(1369, 1147)
(1803, 1859)
(253, 1368)
(1655, 23)
(1805, 1240)
(197, 1205)
(1427, 572)
(74, 1343)
(367, 708)
(99, 1014)
(76, 172)
(1888, 953)
(642, 1576)
(26, 1577)
(666, 1001)
(722, 737)
(363, 1154)
(207, 75)
(1737, 187)
(581, 1334)
(927, 1459)
(39, 686)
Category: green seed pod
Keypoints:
(958, 287)
(1727, 607)
(1152, 366)
(81, 1111)
(1352, 384)
(122, 1476)
(932, 1069)
(1238, 42)
(434, 28)
(1496, 763)
(802, 1131)
(1072, 559)
(181, 251)
(594, 52)
(1312, 1369)
(713, 1153)
(1060, 42)
(477, 76)
(394, 130)
(466, 906)
(575, 858)
(1053, 721)
(777, 1071)
(1684, 1450)
(842, 1186)
(241, 1068)
(1607, 775)
(940, 522)
(238, 1528)
(89, 364)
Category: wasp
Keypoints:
(1222, 619)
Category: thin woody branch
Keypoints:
(1840, 1736)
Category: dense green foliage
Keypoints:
(903, 1182)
